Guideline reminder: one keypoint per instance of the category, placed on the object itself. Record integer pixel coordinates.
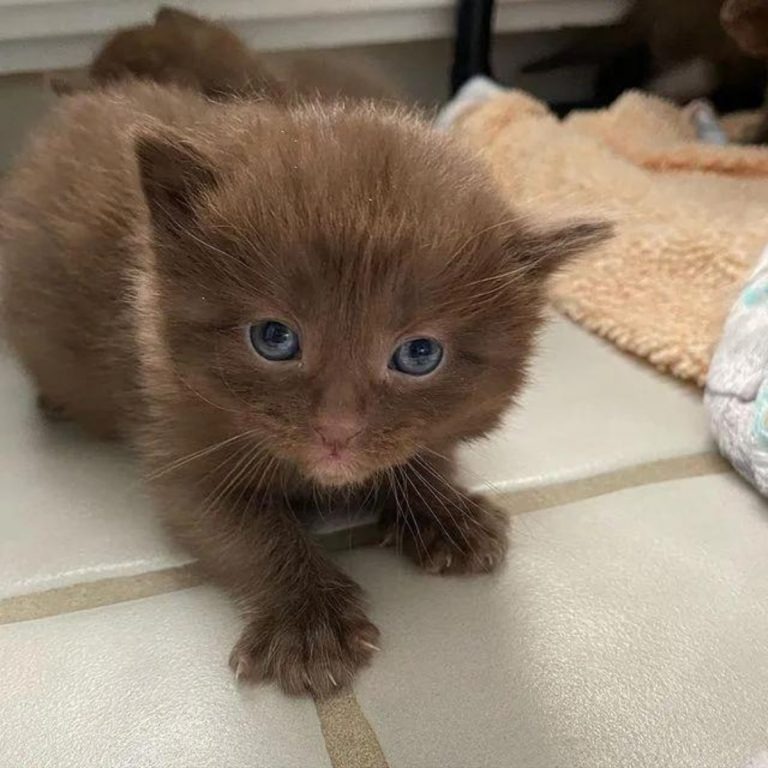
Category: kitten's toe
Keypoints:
(468, 543)
(438, 560)
(314, 652)
(241, 664)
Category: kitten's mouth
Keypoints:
(335, 468)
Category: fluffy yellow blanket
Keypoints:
(691, 217)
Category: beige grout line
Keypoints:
(95, 594)
(555, 495)
(350, 740)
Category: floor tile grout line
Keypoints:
(538, 498)
(350, 740)
(101, 593)
(119, 589)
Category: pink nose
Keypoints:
(337, 433)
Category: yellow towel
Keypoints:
(691, 218)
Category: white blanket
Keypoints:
(737, 384)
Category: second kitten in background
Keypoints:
(183, 49)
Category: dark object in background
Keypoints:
(472, 46)
(677, 49)
(187, 50)
(746, 21)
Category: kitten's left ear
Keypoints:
(173, 176)
(544, 251)
(169, 16)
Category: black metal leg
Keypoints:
(472, 51)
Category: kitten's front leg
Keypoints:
(441, 526)
(306, 624)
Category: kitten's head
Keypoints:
(186, 50)
(346, 284)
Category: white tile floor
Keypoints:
(101, 685)
(627, 630)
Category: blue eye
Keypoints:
(417, 357)
(274, 340)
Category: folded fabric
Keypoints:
(691, 217)
(736, 394)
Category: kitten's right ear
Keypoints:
(545, 251)
(173, 175)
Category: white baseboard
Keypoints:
(38, 35)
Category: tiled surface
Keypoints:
(144, 684)
(588, 409)
(72, 509)
(626, 630)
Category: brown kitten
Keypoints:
(274, 304)
(194, 52)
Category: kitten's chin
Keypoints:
(337, 474)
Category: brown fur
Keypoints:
(145, 228)
(191, 51)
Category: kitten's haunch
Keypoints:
(279, 309)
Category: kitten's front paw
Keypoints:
(312, 647)
(472, 539)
